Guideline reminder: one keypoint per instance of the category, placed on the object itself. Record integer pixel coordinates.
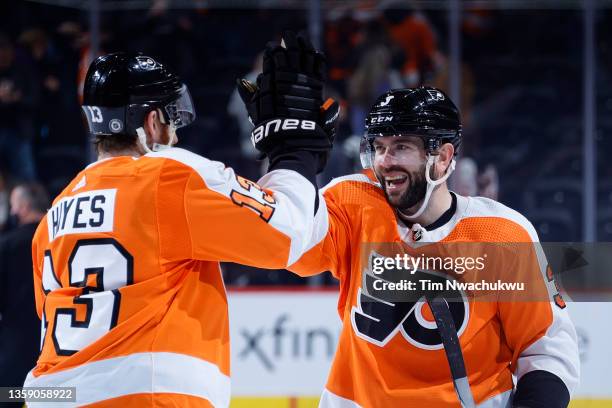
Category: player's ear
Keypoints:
(446, 152)
(152, 125)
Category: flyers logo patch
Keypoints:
(146, 63)
(378, 316)
(435, 95)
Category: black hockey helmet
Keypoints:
(121, 88)
(425, 111)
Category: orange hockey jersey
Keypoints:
(383, 363)
(127, 277)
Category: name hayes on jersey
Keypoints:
(90, 211)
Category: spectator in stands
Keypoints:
(19, 323)
(372, 77)
(467, 181)
(18, 98)
(488, 183)
(464, 181)
(47, 67)
(342, 36)
(413, 35)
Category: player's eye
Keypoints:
(379, 149)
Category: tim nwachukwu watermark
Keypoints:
(487, 271)
(421, 264)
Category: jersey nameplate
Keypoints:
(91, 211)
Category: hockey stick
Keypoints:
(452, 348)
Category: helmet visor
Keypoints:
(366, 152)
(180, 111)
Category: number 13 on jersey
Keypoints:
(254, 197)
(100, 266)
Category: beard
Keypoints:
(414, 192)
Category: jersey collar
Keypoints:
(418, 236)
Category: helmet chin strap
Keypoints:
(159, 146)
(431, 184)
(142, 138)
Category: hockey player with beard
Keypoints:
(391, 356)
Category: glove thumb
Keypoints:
(330, 110)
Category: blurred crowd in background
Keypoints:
(521, 95)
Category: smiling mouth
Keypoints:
(395, 183)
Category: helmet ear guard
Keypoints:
(103, 120)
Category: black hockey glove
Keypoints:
(286, 105)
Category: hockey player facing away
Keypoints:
(126, 262)
(411, 138)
